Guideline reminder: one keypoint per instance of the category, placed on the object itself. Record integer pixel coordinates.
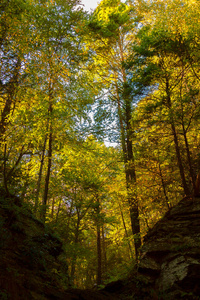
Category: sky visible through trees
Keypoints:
(90, 4)
(125, 73)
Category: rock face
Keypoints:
(31, 265)
(170, 256)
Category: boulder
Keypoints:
(170, 255)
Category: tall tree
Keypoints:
(112, 29)
(163, 73)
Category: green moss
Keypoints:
(4, 295)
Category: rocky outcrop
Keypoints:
(169, 266)
(170, 256)
(31, 264)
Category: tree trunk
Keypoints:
(99, 258)
(163, 186)
(178, 154)
(74, 257)
(126, 233)
(12, 170)
(57, 214)
(10, 89)
(129, 171)
(99, 255)
(4, 170)
(40, 176)
(52, 207)
(47, 178)
(180, 164)
(192, 175)
(129, 158)
(197, 186)
(131, 182)
(104, 265)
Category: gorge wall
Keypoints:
(31, 265)
(169, 266)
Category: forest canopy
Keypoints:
(100, 121)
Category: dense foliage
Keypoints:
(127, 73)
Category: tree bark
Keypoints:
(104, 264)
(131, 182)
(192, 175)
(178, 154)
(125, 229)
(76, 238)
(40, 176)
(197, 186)
(47, 178)
(10, 89)
(163, 186)
(52, 207)
(129, 170)
(99, 254)
(179, 159)
(58, 211)
(4, 170)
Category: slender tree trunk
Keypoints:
(50, 139)
(74, 258)
(69, 217)
(57, 215)
(146, 221)
(5, 114)
(4, 170)
(52, 208)
(163, 186)
(10, 89)
(180, 164)
(126, 233)
(178, 154)
(192, 175)
(197, 186)
(24, 190)
(104, 265)
(12, 170)
(129, 158)
(134, 212)
(47, 178)
(40, 176)
(130, 171)
(99, 254)
(122, 130)
(73, 269)
(7, 175)
(131, 183)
